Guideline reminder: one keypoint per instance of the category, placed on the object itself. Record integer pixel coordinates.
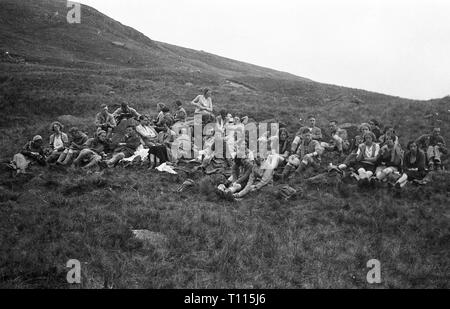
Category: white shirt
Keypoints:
(205, 102)
(369, 151)
(57, 142)
(146, 131)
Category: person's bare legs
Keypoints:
(68, 157)
(115, 159)
(62, 157)
(81, 156)
(93, 163)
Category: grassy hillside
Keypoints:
(322, 239)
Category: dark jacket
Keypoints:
(98, 146)
(78, 142)
(419, 163)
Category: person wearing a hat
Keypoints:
(105, 121)
(58, 142)
(32, 152)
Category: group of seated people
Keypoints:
(373, 155)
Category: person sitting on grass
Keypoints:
(164, 119)
(414, 166)
(126, 148)
(284, 146)
(204, 106)
(159, 152)
(389, 132)
(316, 132)
(105, 121)
(350, 160)
(207, 154)
(58, 142)
(180, 114)
(434, 146)
(78, 139)
(240, 174)
(339, 139)
(366, 158)
(262, 173)
(390, 160)
(125, 112)
(95, 149)
(32, 152)
(375, 128)
(146, 131)
(307, 154)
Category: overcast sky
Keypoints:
(395, 47)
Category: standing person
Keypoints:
(105, 121)
(126, 148)
(125, 112)
(204, 106)
(32, 152)
(77, 141)
(58, 142)
(414, 166)
(366, 158)
(95, 149)
(434, 146)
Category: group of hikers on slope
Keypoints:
(373, 155)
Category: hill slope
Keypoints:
(323, 239)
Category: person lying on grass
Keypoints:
(59, 142)
(95, 149)
(32, 152)
(76, 144)
(126, 148)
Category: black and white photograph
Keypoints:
(207, 146)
